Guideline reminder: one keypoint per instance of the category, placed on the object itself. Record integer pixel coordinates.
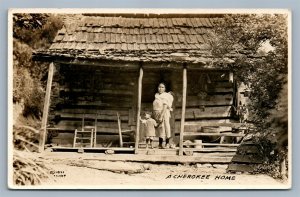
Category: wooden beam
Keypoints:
(139, 100)
(242, 126)
(43, 132)
(205, 112)
(184, 78)
(213, 134)
(212, 149)
(137, 157)
(231, 77)
(210, 144)
(120, 130)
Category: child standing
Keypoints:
(149, 126)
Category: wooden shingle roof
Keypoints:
(163, 39)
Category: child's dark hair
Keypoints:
(148, 112)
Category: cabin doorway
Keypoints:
(151, 80)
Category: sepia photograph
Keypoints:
(149, 99)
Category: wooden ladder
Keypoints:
(121, 142)
(87, 133)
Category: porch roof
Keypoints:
(145, 38)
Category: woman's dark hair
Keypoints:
(163, 83)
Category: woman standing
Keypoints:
(162, 105)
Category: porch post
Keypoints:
(46, 108)
(137, 135)
(184, 86)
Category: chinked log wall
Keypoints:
(92, 91)
(210, 96)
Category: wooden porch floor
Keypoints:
(146, 155)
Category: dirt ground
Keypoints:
(81, 173)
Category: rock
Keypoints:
(147, 167)
(109, 152)
(48, 150)
(220, 166)
(205, 165)
(198, 165)
(80, 150)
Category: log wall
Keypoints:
(90, 92)
(210, 97)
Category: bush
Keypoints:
(270, 152)
(26, 81)
(31, 31)
(28, 170)
(36, 30)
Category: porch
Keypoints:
(202, 126)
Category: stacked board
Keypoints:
(86, 93)
(90, 92)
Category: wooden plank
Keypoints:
(120, 130)
(91, 99)
(131, 117)
(100, 130)
(96, 148)
(184, 89)
(212, 149)
(158, 151)
(136, 157)
(94, 105)
(111, 112)
(214, 154)
(68, 91)
(90, 122)
(210, 100)
(205, 112)
(195, 123)
(210, 144)
(205, 129)
(139, 100)
(213, 134)
(218, 124)
(102, 116)
(46, 108)
(231, 77)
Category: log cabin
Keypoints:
(103, 73)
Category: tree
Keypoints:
(258, 44)
(30, 32)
